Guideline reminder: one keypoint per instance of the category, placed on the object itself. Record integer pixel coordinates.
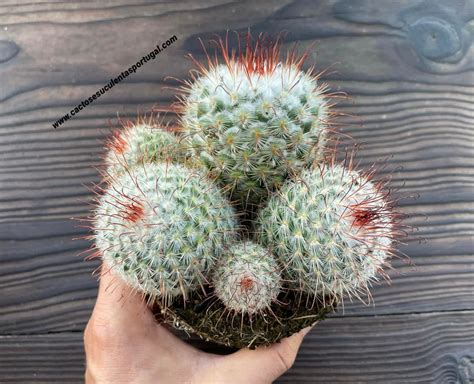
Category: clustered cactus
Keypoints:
(171, 219)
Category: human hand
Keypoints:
(125, 344)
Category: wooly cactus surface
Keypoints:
(236, 224)
(331, 229)
(255, 121)
(161, 227)
(247, 278)
(141, 143)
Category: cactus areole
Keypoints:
(173, 218)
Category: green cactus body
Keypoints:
(139, 144)
(253, 129)
(161, 227)
(247, 278)
(331, 228)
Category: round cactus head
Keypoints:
(332, 228)
(140, 143)
(247, 278)
(256, 118)
(161, 227)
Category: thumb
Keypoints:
(265, 364)
(119, 303)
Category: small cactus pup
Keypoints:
(247, 278)
(255, 118)
(161, 227)
(143, 141)
(332, 229)
(247, 303)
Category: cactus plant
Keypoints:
(253, 131)
(161, 227)
(139, 143)
(331, 228)
(255, 119)
(247, 278)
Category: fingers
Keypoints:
(265, 364)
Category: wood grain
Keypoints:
(429, 348)
(409, 70)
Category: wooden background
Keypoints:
(408, 66)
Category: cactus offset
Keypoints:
(140, 143)
(247, 279)
(331, 228)
(161, 227)
(255, 120)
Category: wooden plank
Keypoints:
(47, 287)
(404, 90)
(55, 358)
(422, 348)
(428, 348)
(42, 172)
